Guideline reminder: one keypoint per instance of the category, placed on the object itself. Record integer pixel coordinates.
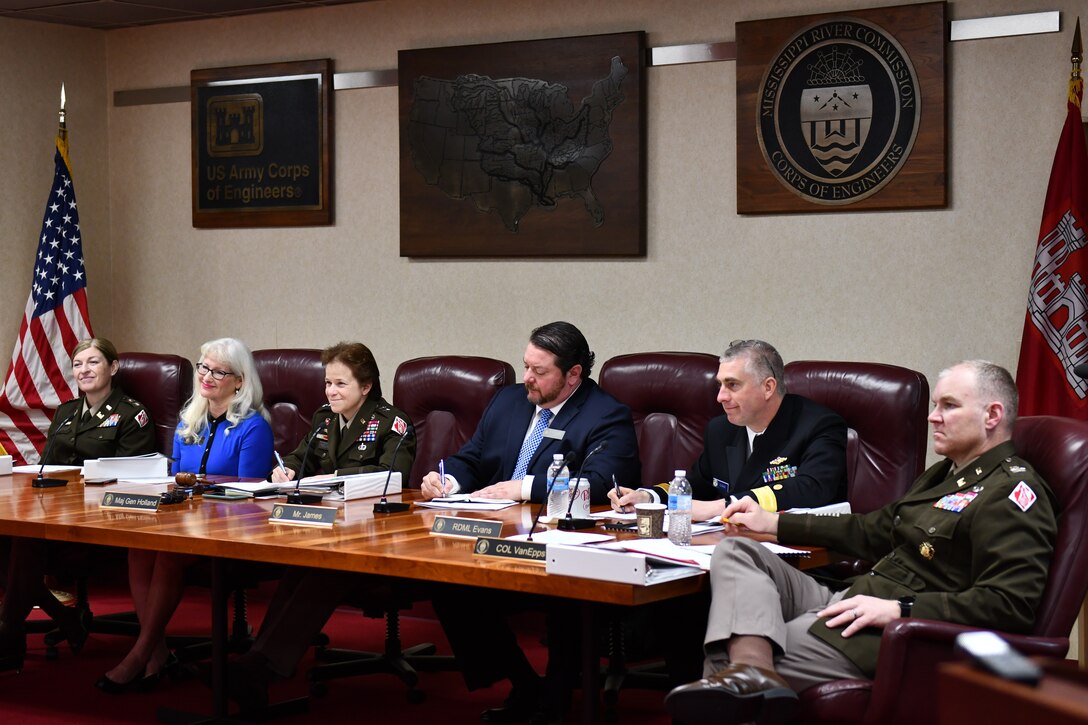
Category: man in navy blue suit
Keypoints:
(558, 410)
(574, 417)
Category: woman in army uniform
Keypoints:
(354, 433)
(357, 432)
(102, 422)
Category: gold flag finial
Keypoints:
(1076, 53)
(62, 104)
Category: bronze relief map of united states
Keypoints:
(511, 144)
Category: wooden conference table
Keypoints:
(398, 545)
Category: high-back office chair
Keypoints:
(672, 396)
(885, 408)
(444, 397)
(294, 387)
(904, 690)
(163, 383)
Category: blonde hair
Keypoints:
(248, 400)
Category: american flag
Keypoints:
(40, 376)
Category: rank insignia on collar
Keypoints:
(778, 461)
(961, 481)
(978, 470)
(926, 550)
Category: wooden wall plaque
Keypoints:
(842, 111)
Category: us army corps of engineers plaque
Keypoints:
(261, 137)
(842, 111)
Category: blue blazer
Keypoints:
(589, 417)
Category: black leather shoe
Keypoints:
(136, 684)
(737, 694)
(519, 707)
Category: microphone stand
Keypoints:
(41, 482)
(547, 495)
(570, 523)
(393, 507)
(297, 496)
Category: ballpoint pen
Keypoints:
(279, 461)
(442, 474)
(616, 488)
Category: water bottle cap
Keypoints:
(679, 473)
(557, 457)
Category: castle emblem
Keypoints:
(838, 111)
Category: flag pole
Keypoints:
(62, 129)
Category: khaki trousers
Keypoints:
(754, 592)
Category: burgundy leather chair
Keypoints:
(672, 396)
(905, 687)
(445, 397)
(885, 408)
(294, 387)
(163, 383)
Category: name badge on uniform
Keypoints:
(722, 486)
(956, 502)
(554, 433)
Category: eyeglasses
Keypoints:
(202, 370)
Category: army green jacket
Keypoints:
(122, 427)
(366, 445)
(973, 547)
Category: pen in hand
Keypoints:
(279, 461)
(616, 488)
(442, 474)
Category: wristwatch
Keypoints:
(905, 605)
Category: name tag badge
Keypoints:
(131, 501)
(532, 552)
(554, 433)
(723, 487)
(461, 526)
(285, 513)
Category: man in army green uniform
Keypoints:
(969, 543)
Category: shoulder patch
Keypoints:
(400, 426)
(141, 418)
(1023, 496)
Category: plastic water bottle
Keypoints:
(680, 509)
(558, 498)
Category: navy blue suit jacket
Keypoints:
(801, 457)
(588, 418)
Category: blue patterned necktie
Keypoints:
(532, 442)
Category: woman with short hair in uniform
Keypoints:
(357, 432)
(223, 431)
(102, 422)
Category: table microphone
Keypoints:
(570, 523)
(41, 482)
(395, 507)
(547, 493)
(296, 496)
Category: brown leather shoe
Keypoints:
(736, 694)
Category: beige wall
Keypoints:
(920, 289)
(36, 59)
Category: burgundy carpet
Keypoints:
(63, 690)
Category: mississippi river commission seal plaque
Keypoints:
(837, 113)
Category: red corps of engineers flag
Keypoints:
(40, 376)
(1055, 337)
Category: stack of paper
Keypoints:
(5, 465)
(152, 465)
